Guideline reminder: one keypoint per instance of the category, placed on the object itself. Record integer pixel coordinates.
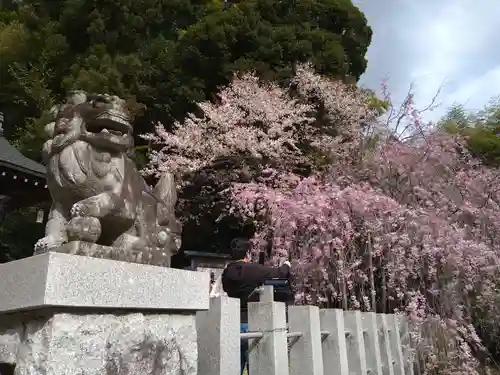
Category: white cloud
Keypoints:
(476, 92)
(433, 42)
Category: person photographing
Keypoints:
(240, 279)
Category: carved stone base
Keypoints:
(65, 314)
(11, 332)
(100, 344)
(152, 257)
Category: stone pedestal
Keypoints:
(64, 314)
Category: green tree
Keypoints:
(18, 233)
(456, 118)
(116, 46)
(481, 129)
(270, 36)
(380, 106)
(162, 56)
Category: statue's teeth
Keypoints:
(104, 130)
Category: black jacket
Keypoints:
(240, 279)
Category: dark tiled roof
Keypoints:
(11, 158)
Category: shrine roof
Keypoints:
(11, 158)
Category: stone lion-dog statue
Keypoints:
(102, 207)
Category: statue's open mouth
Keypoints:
(110, 122)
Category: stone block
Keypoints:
(219, 337)
(356, 353)
(109, 344)
(270, 354)
(11, 331)
(334, 345)
(306, 356)
(62, 280)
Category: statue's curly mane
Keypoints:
(69, 152)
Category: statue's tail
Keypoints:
(166, 191)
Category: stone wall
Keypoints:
(98, 344)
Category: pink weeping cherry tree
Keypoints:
(386, 218)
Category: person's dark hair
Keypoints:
(240, 248)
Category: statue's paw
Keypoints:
(41, 246)
(165, 238)
(78, 210)
(84, 228)
(47, 243)
(177, 243)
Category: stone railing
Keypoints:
(62, 314)
(312, 341)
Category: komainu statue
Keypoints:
(102, 207)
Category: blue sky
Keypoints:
(435, 42)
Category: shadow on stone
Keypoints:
(6, 369)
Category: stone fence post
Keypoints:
(372, 343)
(306, 356)
(385, 344)
(219, 337)
(355, 342)
(268, 355)
(407, 345)
(334, 345)
(396, 347)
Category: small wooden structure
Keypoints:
(22, 180)
(209, 262)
